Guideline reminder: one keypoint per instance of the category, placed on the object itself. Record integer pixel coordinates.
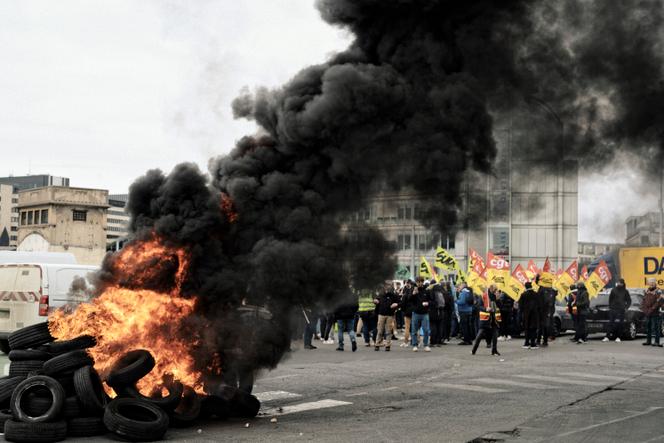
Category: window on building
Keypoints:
(14, 228)
(406, 242)
(417, 212)
(78, 215)
(15, 210)
(408, 213)
(400, 213)
(421, 242)
(13, 237)
(23, 218)
(500, 241)
(30, 217)
(44, 216)
(399, 242)
(14, 200)
(645, 240)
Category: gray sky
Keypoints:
(101, 91)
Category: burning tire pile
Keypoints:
(53, 392)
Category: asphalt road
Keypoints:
(594, 392)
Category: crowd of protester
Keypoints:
(431, 314)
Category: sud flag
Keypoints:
(444, 260)
(498, 270)
(600, 277)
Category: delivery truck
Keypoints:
(635, 265)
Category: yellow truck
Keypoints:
(637, 265)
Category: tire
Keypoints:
(85, 427)
(130, 368)
(631, 331)
(168, 403)
(30, 337)
(24, 367)
(29, 354)
(188, 410)
(35, 432)
(37, 384)
(215, 406)
(75, 344)
(66, 380)
(5, 414)
(135, 420)
(89, 390)
(71, 408)
(67, 362)
(7, 387)
(4, 346)
(35, 405)
(245, 405)
(557, 326)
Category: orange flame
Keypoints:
(123, 319)
(228, 208)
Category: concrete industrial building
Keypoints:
(642, 230)
(524, 212)
(117, 223)
(64, 219)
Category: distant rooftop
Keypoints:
(23, 182)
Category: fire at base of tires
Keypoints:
(53, 391)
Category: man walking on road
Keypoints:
(386, 306)
(489, 321)
(529, 306)
(465, 304)
(582, 304)
(367, 311)
(619, 303)
(652, 302)
(345, 316)
(421, 300)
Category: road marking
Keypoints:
(512, 383)
(391, 388)
(654, 375)
(562, 380)
(275, 395)
(301, 407)
(472, 388)
(357, 394)
(610, 422)
(591, 375)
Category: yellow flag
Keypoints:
(424, 268)
(498, 270)
(444, 260)
(513, 288)
(600, 277)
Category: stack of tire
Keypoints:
(53, 391)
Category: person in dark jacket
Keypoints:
(345, 316)
(546, 298)
(652, 303)
(571, 309)
(448, 312)
(619, 303)
(407, 309)
(421, 301)
(489, 321)
(436, 314)
(506, 306)
(582, 305)
(529, 306)
(387, 303)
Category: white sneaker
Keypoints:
(501, 338)
(509, 337)
(525, 347)
(427, 349)
(403, 345)
(618, 340)
(605, 339)
(414, 348)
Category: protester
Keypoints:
(448, 312)
(582, 304)
(489, 321)
(652, 303)
(571, 306)
(436, 314)
(310, 321)
(465, 304)
(345, 317)
(407, 309)
(421, 299)
(326, 325)
(506, 306)
(619, 302)
(386, 304)
(546, 298)
(367, 311)
(529, 306)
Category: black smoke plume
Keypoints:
(411, 103)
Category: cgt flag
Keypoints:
(546, 277)
(567, 279)
(600, 277)
(532, 270)
(584, 273)
(516, 283)
(497, 270)
(477, 277)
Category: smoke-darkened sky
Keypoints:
(102, 91)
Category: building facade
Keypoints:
(34, 181)
(64, 219)
(642, 230)
(117, 222)
(590, 251)
(527, 208)
(8, 217)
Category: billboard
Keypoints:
(637, 265)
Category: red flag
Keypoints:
(584, 273)
(532, 267)
(520, 274)
(547, 265)
(476, 258)
(573, 270)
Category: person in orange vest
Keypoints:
(489, 320)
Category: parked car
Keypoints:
(562, 320)
(635, 321)
(29, 291)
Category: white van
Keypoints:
(29, 291)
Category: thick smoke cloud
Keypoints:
(412, 103)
